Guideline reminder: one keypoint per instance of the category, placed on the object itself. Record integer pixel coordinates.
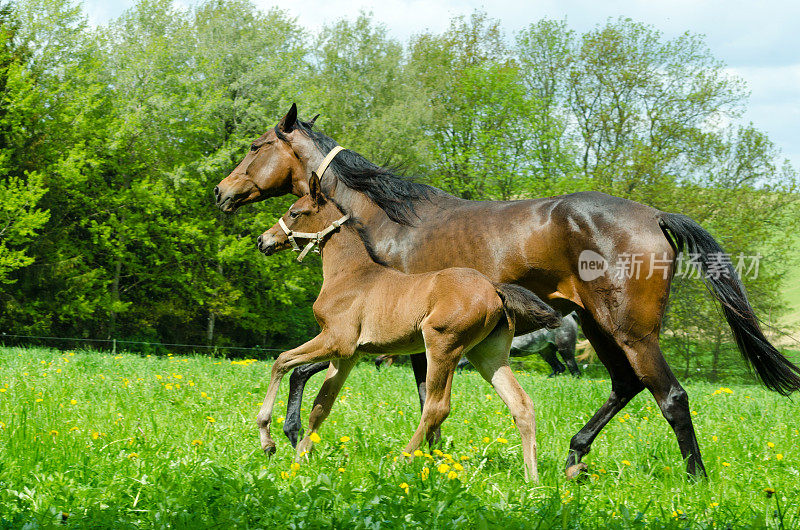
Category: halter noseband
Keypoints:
(317, 237)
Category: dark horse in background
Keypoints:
(548, 343)
(541, 244)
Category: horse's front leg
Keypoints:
(293, 426)
(317, 348)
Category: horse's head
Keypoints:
(275, 165)
(312, 215)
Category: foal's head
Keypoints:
(311, 214)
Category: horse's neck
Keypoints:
(344, 254)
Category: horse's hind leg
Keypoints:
(549, 355)
(625, 385)
(293, 426)
(490, 358)
(334, 379)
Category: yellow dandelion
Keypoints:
(464, 457)
(3, 389)
(159, 377)
(779, 456)
(280, 419)
(2, 425)
(438, 452)
(502, 441)
(424, 473)
(418, 453)
(769, 491)
(197, 442)
(95, 435)
(405, 487)
(133, 455)
(295, 466)
(452, 475)
(458, 467)
(726, 464)
(486, 439)
(407, 455)
(73, 429)
(39, 400)
(626, 462)
(714, 438)
(210, 419)
(314, 437)
(344, 439)
(443, 468)
(770, 445)
(714, 504)
(341, 470)
(53, 433)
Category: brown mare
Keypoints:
(366, 307)
(537, 244)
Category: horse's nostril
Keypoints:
(258, 242)
(216, 191)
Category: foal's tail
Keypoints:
(526, 309)
(775, 371)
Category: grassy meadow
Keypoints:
(88, 439)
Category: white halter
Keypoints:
(315, 238)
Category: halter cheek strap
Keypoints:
(315, 238)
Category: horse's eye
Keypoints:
(254, 147)
(294, 215)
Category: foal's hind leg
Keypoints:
(293, 426)
(490, 358)
(443, 357)
(334, 379)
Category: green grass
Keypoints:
(792, 289)
(129, 442)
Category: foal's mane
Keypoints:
(394, 194)
(356, 224)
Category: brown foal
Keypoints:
(365, 307)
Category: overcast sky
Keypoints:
(758, 40)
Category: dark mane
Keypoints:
(394, 194)
(355, 223)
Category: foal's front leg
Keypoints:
(316, 349)
(334, 380)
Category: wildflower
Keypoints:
(486, 439)
(714, 438)
(210, 419)
(626, 462)
(159, 377)
(197, 442)
(341, 470)
(458, 467)
(779, 456)
(714, 504)
(73, 429)
(452, 475)
(285, 475)
(418, 453)
(502, 441)
(443, 468)
(295, 466)
(770, 445)
(769, 491)
(53, 433)
(280, 419)
(627, 416)
(407, 455)
(464, 457)
(39, 400)
(694, 413)
(314, 437)
(2, 425)
(3, 389)
(726, 464)
(438, 452)
(95, 435)
(424, 473)
(344, 439)
(133, 455)
(404, 486)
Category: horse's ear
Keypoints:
(315, 189)
(310, 123)
(288, 121)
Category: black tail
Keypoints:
(526, 309)
(775, 371)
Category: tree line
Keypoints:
(112, 138)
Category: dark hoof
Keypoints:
(269, 450)
(576, 471)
